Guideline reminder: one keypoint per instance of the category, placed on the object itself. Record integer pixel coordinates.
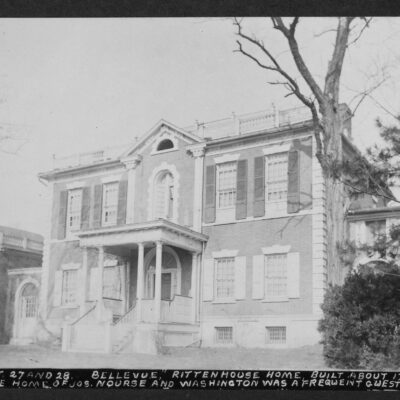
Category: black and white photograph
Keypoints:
(209, 193)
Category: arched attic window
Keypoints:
(165, 145)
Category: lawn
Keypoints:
(36, 356)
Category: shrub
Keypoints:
(361, 320)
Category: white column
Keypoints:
(131, 165)
(101, 274)
(84, 277)
(193, 287)
(198, 154)
(123, 287)
(44, 283)
(139, 285)
(157, 289)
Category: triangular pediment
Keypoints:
(160, 130)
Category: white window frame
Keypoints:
(278, 205)
(107, 208)
(218, 261)
(267, 293)
(226, 213)
(75, 214)
(65, 291)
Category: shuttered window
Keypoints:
(74, 210)
(69, 286)
(275, 276)
(276, 182)
(225, 278)
(110, 203)
(226, 185)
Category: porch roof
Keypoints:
(152, 231)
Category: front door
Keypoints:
(27, 313)
(166, 286)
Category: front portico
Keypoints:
(162, 262)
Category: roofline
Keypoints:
(51, 175)
(290, 128)
(159, 223)
(152, 130)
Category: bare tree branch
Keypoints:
(363, 95)
(366, 25)
(289, 33)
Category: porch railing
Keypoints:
(86, 333)
(123, 326)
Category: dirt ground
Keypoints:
(36, 356)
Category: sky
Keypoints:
(77, 85)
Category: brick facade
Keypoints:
(178, 172)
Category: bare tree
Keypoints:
(323, 102)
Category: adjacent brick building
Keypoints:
(20, 277)
(212, 235)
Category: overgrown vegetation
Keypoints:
(361, 322)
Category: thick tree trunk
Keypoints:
(333, 125)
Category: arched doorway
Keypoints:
(26, 309)
(164, 195)
(170, 273)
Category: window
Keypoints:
(224, 334)
(112, 283)
(275, 276)
(29, 303)
(110, 203)
(165, 145)
(275, 335)
(74, 209)
(164, 196)
(69, 286)
(226, 185)
(276, 181)
(224, 278)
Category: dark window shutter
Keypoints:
(85, 208)
(259, 186)
(241, 189)
(293, 192)
(306, 174)
(122, 198)
(62, 214)
(209, 208)
(98, 200)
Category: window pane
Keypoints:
(276, 179)
(69, 289)
(276, 275)
(226, 184)
(74, 209)
(224, 278)
(224, 334)
(275, 335)
(110, 203)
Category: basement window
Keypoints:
(275, 335)
(224, 334)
